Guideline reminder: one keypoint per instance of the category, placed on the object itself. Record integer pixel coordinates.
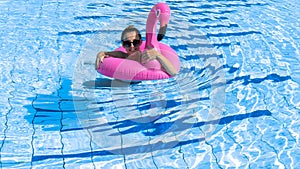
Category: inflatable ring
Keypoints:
(125, 69)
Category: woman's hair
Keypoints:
(131, 28)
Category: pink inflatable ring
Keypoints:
(125, 69)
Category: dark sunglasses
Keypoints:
(127, 43)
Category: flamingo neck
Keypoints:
(151, 38)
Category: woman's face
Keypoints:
(131, 42)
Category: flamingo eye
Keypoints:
(157, 12)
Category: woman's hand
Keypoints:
(149, 55)
(99, 59)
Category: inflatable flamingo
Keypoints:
(125, 69)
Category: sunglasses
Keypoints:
(127, 43)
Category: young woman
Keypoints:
(131, 41)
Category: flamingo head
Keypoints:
(159, 12)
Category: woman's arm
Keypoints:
(102, 55)
(167, 65)
(117, 54)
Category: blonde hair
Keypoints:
(131, 28)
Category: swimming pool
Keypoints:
(235, 103)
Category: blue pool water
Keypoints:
(234, 104)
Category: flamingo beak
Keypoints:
(161, 33)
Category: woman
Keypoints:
(131, 41)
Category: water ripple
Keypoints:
(235, 102)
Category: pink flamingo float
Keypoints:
(125, 69)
